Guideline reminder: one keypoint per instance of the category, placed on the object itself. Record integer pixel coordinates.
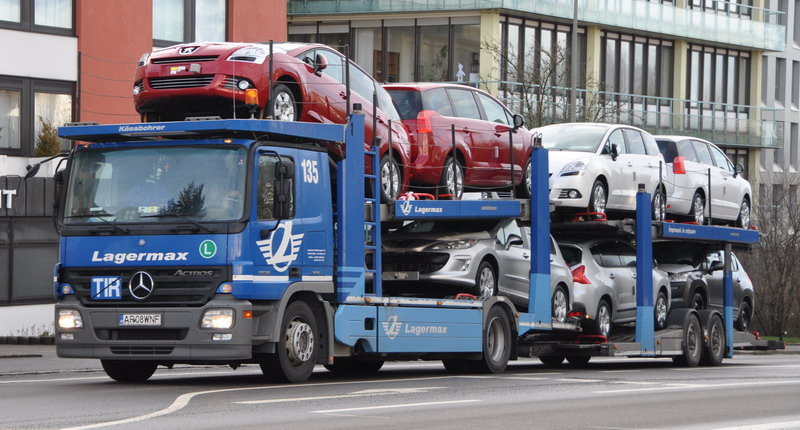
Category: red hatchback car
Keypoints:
(480, 157)
(308, 84)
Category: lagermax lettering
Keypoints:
(121, 257)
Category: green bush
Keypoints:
(47, 141)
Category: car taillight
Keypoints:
(678, 167)
(424, 121)
(579, 275)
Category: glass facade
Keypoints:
(178, 21)
(40, 16)
(9, 119)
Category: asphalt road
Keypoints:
(38, 390)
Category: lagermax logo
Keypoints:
(391, 327)
(405, 207)
(287, 249)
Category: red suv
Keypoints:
(308, 83)
(479, 158)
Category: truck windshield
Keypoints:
(156, 185)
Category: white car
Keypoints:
(690, 161)
(598, 167)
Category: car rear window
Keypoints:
(407, 102)
(572, 255)
(667, 149)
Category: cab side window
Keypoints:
(268, 182)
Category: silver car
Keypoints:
(604, 273)
(479, 257)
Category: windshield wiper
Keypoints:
(183, 217)
(100, 216)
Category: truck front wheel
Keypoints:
(128, 371)
(297, 349)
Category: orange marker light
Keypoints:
(251, 96)
(248, 314)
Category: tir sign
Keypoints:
(106, 288)
(5, 198)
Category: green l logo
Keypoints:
(208, 249)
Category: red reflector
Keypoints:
(575, 314)
(579, 275)
(678, 167)
(424, 121)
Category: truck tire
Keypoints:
(579, 360)
(714, 350)
(551, 360)
(129, 371)
(353, 365)
(497, 343)
(692, 343)
(297, 350)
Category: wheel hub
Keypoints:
(299, 342)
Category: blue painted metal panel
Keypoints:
(709, 233)
(451, 209)
(352, 322)
(125, 132)
(539, 290)
(645, 333)
(137, 251)
(350, 216)
(412, 330)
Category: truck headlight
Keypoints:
(454, 244)
(69, 319)
(217, 319)
(574, 168)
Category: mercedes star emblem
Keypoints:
(141, 285)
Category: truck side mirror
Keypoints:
(282, 206)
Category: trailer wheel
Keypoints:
(692, 343)
(297, 350)
(714, 350)
(496, 343)
(129, 371)
(579, 360)
(351, 365)
(551, 360)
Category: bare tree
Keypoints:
(537, 86)
(773, 264)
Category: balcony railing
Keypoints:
(730, 24)
(723, 124)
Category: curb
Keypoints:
(27, 340)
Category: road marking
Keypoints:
(363, 393)
(619, 371)
(580, 380)
(538, 373)
(183, 400)
(404, 405)
(766, 426)
(697, 386)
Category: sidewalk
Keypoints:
(42, 359)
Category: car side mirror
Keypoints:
(614, 151)
(519, 121)
(320, 64)
(737, 169)
(715, 266)
(513, 240)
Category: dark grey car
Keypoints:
(695, 273)
(479, 257)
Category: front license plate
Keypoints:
(401, 276)
(149, 320)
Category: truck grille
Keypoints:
(170, 287)
(178, 82)
(173, 60)
(142, 334)
(422, 262)
(141, 350)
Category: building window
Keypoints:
(780, 81)
(25, 104)
(179, 21)
(718, 76)
(41, 16)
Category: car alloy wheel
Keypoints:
(744, 214)
(390, 179)
(453, 179)
(660, 310)
(698, 209)
(560, 305)
(597, 202)
(486, 281)
(659, 206)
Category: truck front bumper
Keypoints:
(178, 337)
